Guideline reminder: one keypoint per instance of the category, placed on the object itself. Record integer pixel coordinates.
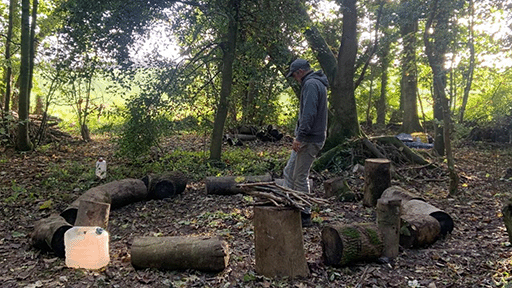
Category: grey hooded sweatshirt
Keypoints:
(312, 124)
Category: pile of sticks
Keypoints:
(281, 196)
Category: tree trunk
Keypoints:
(48, 234)
(8, 73)
(471, 68)
(180, 253)
(381, 102)
(419, 207)
(278, 242)
(346, 244)
(377, 178)
(92, 213)
(227, 185)
(229, 50)
(419, 230)
(388, 220)
(23, 140)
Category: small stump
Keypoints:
(279, 245)
(377, 178)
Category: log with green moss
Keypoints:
(344, 244)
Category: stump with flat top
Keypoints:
(344, 244)
(48, 234)
(388, 221)
(377, 178)
(208, 254)
(228, 185)
(278, 241)
(91, 213)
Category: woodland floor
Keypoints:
(476, 254)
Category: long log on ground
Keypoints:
(48, 234)
(377, 178)
(388, 221)
(419, 231)
(166, 185)
(117, 194)
(423, 208)
(228, 185)
(278, 241)
(396, 192)
(344, 244)
(180, 253)
(91, 213)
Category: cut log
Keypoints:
(396, 192)
(423, 208)
(344, 244)
(92, 213)
(228, 185)
(278, 241)
(48, 234)
(338, 188)
(180, 253)
(388, 221)
(419, 231)
(377, 178)
(507, 218)
(117, 194)
(165, 185)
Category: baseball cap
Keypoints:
(298, 64)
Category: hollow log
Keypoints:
(419, 231)
(117, 194)
(388, 221)
(161, 186)
(507, 218)
(415, 206)
(344, 244)
(278, 241)
(180, 253)
(338, 187)
(92, 213)
(377, 178)
(227, 185)
(48, 234)
(396, 192)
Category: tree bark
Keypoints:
(278, 242)
(48, 234)
(388, 221)
(227, 185)
(180, 253)
(346, 244)
(377, 178)
(8, 72)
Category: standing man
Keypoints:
(311, 129)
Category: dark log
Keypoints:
(117, 194)
(338, 187)
(388, 221)
(180, 253)
(48, 234)
(396, 192)
(507, 218)
(278, 241)
(344, 244)
(161, 186)
(92, 213)
(419, 231)
(228, 185)
(423, 208)
(377, 178)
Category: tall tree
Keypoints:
(469, 75)
(8, 40)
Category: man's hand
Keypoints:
(296, 145)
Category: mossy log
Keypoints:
(344, 244)
(419, 231)
(117, 194)
(228, 185)
(507, 218)
(278, 241)
(420, 207)
(166, 185)
(180, 253)
(48, 234)
(377, 178)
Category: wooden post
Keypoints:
(344, 244)
(377, 178)
(227, 185)
(49, 234)
(92, 213)
(180, 253)
(338, 187)
(278, 240)
(388, 220)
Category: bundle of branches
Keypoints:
(281, 196)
